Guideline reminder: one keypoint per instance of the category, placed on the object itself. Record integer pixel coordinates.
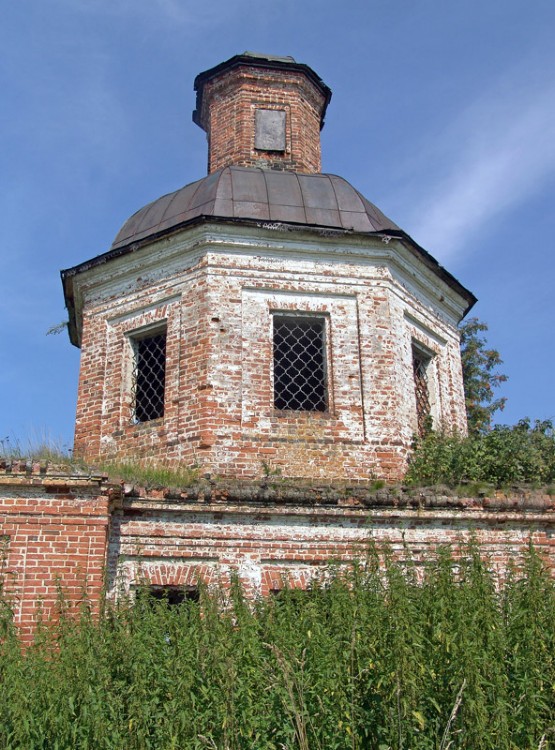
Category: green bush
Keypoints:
(380, 658)
(523, 453)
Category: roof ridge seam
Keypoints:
(339, 212)
(174, 195)
(199, 183)
(267, 193)
(230, 168)
(303, 205)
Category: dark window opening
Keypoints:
(420, 364)
(149, 377)
(299, 364)
(173, 595)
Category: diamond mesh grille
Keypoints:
(419, 365)
(299, 364)
(149, 377)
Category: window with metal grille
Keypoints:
(299, 363)
(420, 364)
(149, 377)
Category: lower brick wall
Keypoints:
(271, 537)
(53, 529)
(67, 530)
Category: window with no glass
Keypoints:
(420, 364)
(149, 376)
(300, 363)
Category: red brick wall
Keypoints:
(54, 532)
(217, 301)
(271, 535)
(228, 116)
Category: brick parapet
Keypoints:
(24, 467)
(276, 492)
(276, 532)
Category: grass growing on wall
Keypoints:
(380, 659)
(39, 446)
(45, 449)
(150, 475)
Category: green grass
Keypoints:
(150, 475)
(40, 446)
(46, 449)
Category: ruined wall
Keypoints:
(53, 533)
(274, 534)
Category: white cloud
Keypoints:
(500, 152)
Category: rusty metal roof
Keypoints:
(319, 200)
(314, 202)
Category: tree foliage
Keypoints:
(480, 376)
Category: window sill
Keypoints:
(294, 414)
(148, 424)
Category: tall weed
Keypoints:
(385, 656)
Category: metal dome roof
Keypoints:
(249, 194)
(235, 193)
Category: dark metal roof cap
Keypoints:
(320, 200)
(273, 58)
(259, 60)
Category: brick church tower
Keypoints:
(270, 326)
(267, 316)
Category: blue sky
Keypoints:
(443, 114)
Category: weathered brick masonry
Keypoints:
(230, 95)
(216, 296)
(53, 528)
(271, 327)
(68, 532)
(271, 534)
(211, 272)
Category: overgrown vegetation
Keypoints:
(46, 449)
(498, 456)
(503, 456)
(373, 659)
